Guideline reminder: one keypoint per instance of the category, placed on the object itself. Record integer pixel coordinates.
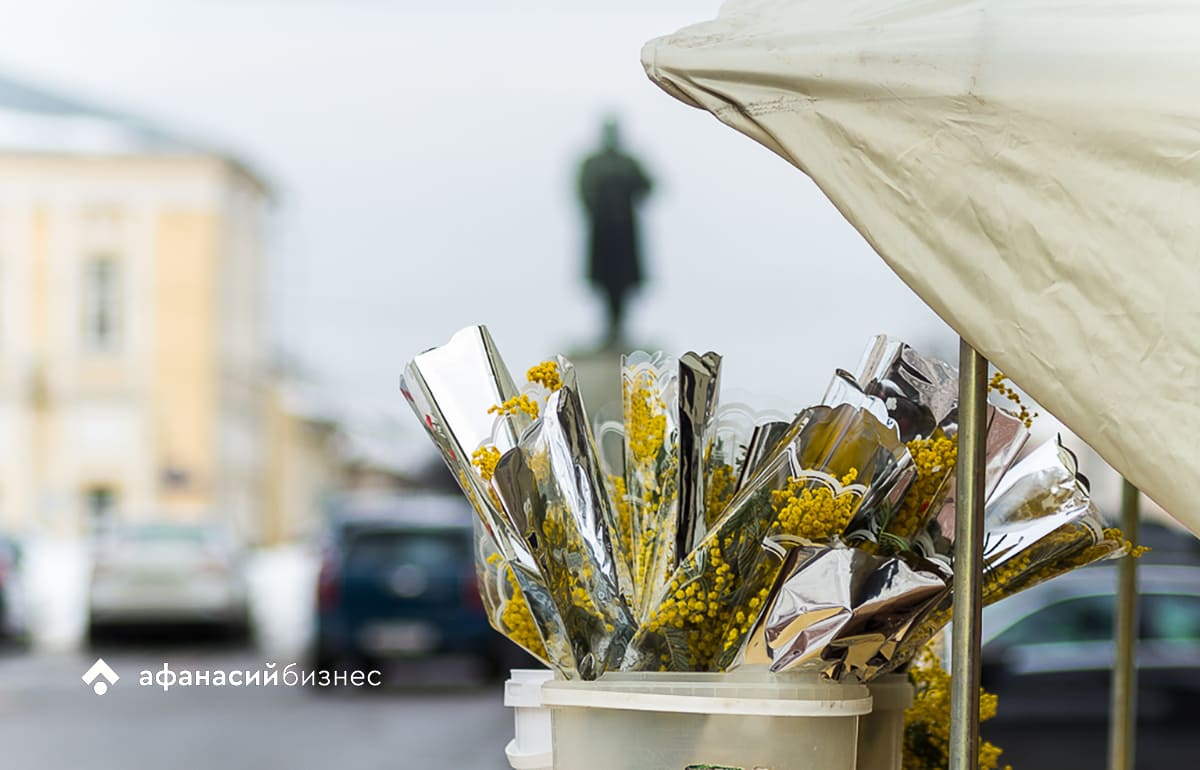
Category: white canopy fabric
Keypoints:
(1031, 168)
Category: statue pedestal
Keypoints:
(599, 374)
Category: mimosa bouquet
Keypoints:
(699, 536)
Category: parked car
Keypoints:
(1048, 655)
(167, 573)
(13, 626)
(397, 580)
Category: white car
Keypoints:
(167, 572)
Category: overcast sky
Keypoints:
(424, 154)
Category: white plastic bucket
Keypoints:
(671, 721)
(881, 733)
(530, 748)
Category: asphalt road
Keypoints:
(430, 715)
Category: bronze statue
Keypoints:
(611, 185)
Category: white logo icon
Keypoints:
(100, 669)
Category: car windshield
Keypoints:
(1164, 617)
(423, 549)
(1079, 619)
(1172, 617)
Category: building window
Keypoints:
(102, 304)
(99, 502)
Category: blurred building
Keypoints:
(304, 464)
(133, 356)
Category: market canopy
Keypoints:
(1031, 168)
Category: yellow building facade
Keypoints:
(133, 359)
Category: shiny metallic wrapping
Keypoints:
(919, 392)
(841, 611)
(519, 605)
(552, 487)
(1039, 522)
(919, 396)
(695, 535)
(699, 384)
(1006, 437)
(764, 442)
(703, 617)
(451, 388)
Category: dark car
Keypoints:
(12, 594)
(397, 580)
(1048, 655)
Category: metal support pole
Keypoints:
(1122, 728)
(968, 559)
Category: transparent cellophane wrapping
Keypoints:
(730, 434)
(507, 605)
(554, 483)
(1040, 523)
(647, 496)
(560, 544)
(935, 458)
(809, 492)
(725, 441)
(1074, 545)
(1033, 534)
(701, 609)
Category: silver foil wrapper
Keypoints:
(702, 618)
(698, 386)
(764, 444)
(918, 392)
(1038, 523)
(694, 535)
(451, 389)
(552, 487)
(1040, 511)
(518, 603)
(838, 440)
(841, 611)
(919, 396)
(845, 389)
(1006, 437)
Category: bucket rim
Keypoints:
(555, 697)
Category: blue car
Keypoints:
(397, 580)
